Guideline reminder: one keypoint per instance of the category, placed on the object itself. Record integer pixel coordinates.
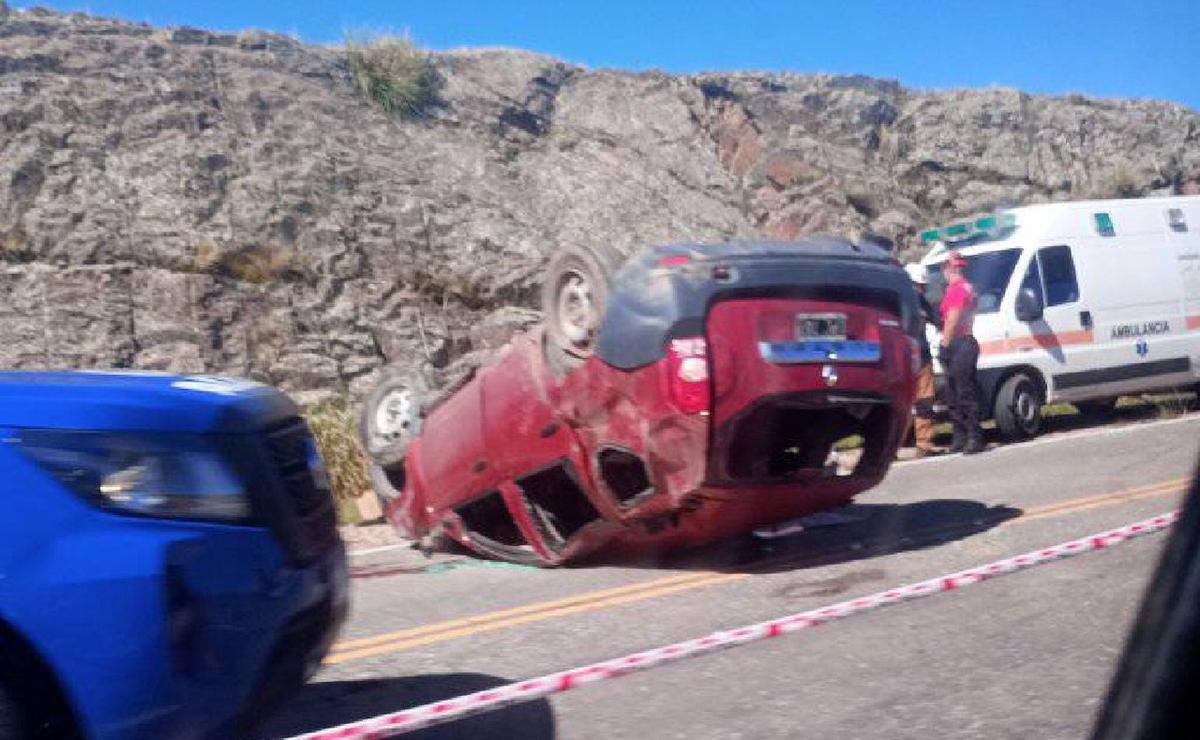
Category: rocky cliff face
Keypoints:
(184, 200)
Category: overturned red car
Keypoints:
(697, 393)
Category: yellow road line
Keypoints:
(1092, 502)
(606, 598)
(709, 580)
(514, 611)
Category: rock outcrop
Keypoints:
(183, 200)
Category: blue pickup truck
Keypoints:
(169, 561)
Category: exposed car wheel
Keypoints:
(574, 295)
(388, 484)
(12, 725)
(1099, 409)
(1018, 410)
(391, 416)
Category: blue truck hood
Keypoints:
(136, 401)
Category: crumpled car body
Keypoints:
(722, 381)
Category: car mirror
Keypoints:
(1029, 306)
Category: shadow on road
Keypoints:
(877, 530)
(330, 703)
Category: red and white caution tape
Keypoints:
(426, 715)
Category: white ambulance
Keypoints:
(1079, 302)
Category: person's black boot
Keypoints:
(975, 443)
(959, 443)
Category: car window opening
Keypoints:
(624, 473)
(559, 505)
(488, 517)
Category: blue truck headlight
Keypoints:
(175, 476)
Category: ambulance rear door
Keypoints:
(1135, 297)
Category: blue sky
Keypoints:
(1111, 48)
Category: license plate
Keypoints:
(820, 326)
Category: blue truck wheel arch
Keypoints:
(33, 684)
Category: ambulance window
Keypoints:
(1058, 274)
(989, 274)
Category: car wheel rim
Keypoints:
(396, 415)
(576, 309)
(1027, 409)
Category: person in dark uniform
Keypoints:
(959, 353)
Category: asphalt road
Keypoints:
(1025, 655)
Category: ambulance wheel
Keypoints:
(391, 415)
(1018, 410)
(574, 296)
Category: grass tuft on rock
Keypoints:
(253, 263)
(391, 72)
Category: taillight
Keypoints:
(918, 359)
(674, 260)
(687, 363)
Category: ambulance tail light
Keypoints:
(688, 376)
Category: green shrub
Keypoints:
(334, 424)
(393, 73)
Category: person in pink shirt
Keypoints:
(959, 354)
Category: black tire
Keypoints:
(388, 484)
(1018, 409)
(1099, 409)
(574, 296)
(12, 725)
(392, 414)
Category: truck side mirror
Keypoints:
(1029, 306)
